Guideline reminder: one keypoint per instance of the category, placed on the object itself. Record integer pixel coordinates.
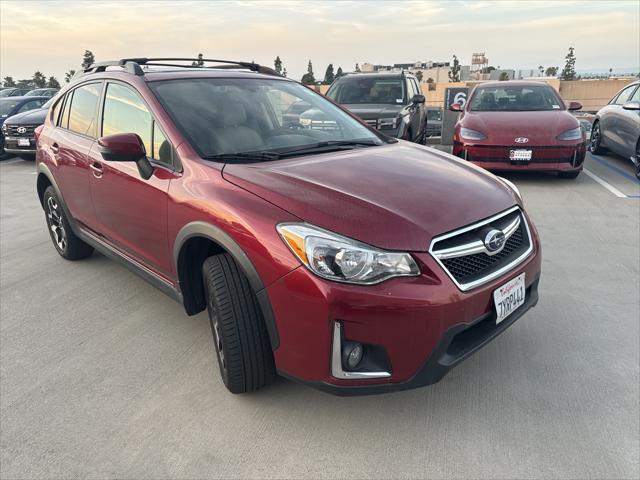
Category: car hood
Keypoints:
(395, 196)
(502, 128)
(32, 117)
(372, 111)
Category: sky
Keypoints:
(51, 35)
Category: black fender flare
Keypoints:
(220, 237)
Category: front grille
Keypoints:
(372, 123)
(12, 130)
(540, 155)
(467, 260)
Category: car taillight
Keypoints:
(38, 131)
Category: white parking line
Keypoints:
(606, 185)
(9, 162)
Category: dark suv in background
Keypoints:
(392, 102)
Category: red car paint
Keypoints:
(396, 197)
(540, 129)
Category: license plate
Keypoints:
(509, 297)
(520, 155)
(23, 142)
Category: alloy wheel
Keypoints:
(595, 138)
(56, 224)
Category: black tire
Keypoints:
(239, 332)
(67, 244)
(637, 165)
(595, 140)
(569, 175)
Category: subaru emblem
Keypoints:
(494, 241)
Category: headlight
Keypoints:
(4, 127)
(573, 134)
(305, 121)
(512, 186)
(388, 122)
(342, 259)
(471, 134)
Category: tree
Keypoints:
(541, 70)
(284, 72)
(39, 80)
(88, 59)
(329, 77)
(357, 70)
(25, 83)
(503, 76)
(53, 82)
(199, 62)
(454, 72)
(569, 70)
(431, 84)
(339, 73)
(489, 69)
(551, 71)
(69, 75)
(308, 78)
(277, 64)
(419, 76)
(8, 82)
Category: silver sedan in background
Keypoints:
(617, 126)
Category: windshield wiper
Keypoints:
(329, 146)
(244, 157)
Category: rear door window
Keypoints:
(84, 105)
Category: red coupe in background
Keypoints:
(519, 125)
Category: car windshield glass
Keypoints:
(434, 115)
(360, 89)
(35, 93)
(514, 98)
(6, 93)
(224, 117)
(47, 104)
(7, 106)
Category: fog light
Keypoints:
(354, 353)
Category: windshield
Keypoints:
(513, 98)
(230, 116)
(360, 89)
(7, 105)
(47, 104)
(37, 93)
(7, 92)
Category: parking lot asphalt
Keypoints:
(101, 375)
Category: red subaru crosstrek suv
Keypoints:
(338, 257)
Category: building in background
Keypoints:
(479, 67)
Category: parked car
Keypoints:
(434, 121)
(43, 92)
(18, 131)
(520, 125)
(343, 258)
(14, 105)
(14, 92)
(617, 126)
(392, 102)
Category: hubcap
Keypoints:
(595, 138)
(218, 338)
(56, 224)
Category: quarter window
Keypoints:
(82, 113)
(161, 146)
(56, 111)
(624, 96)
(636, 96)
(124, 112)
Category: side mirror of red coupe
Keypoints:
(575, 106)
(455, 107)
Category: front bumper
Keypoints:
(11, 145)
(544, 158)
(425, 324)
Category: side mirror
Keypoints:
(455, 107)
(631, 106)
(575, 106)
(418, 98)
(126, 147)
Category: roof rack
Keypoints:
(133, 65)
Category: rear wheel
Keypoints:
(637, 163)
(595, 143)
(569, 175)
(66, 242)
(239, 332)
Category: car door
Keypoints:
(132, 211)
(629, 126)
(610, 122)
(72, 140)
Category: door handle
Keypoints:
(96, 168)
(55, 148)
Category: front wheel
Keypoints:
(638, 159)
(240, 335)
(595, 142)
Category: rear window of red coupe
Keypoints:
(515, 98)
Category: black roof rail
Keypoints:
(133, 65)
